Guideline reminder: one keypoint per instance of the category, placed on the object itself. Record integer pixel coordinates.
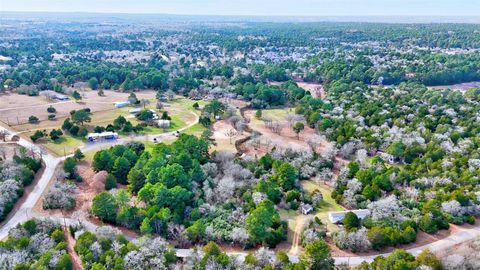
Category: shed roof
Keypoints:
(336, 217)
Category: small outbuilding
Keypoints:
(306, 208)
(121, 104)
(163, 123)
(61, 97)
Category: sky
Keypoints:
(255, 7)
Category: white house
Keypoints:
(107, 135)
(337, 217)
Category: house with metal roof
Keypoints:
(107, 135)
(337, 217)
(121, 104)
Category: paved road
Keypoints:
(25, 211)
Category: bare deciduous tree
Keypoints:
(276, 127)
(231, 133)
(144, 102)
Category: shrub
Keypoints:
(377, 237)
(60, 196)
(104, 206)
(37, 135)
(110, 182)
(82, 132)
(351, 221)
(74, 130)
(33, 119)
(409, 235)
(69, 166)
(55, 134)
(51, 109)
(470, 220)
(78, 155)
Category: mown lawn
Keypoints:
(277, 114)
(188, 104)
(195, 130)
(65, 145)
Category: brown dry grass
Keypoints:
(17, 108)
(287, 137)
(223, 142)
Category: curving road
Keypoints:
(25, 211)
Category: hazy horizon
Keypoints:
(74, 16)
(270, 8)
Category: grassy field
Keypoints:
(187, 104)
(64, 146)
(89, 155)
(273, 114)
(277, 114)
(195, 130)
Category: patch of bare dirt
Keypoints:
(76, 261)
(92, 184)
(225, 136)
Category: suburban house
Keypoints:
(337, 217)
(306, 208)
(107, 135)
(121, 104)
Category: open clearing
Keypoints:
(221, 131)
(285, 139)
(315, 89)
(104, 112)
